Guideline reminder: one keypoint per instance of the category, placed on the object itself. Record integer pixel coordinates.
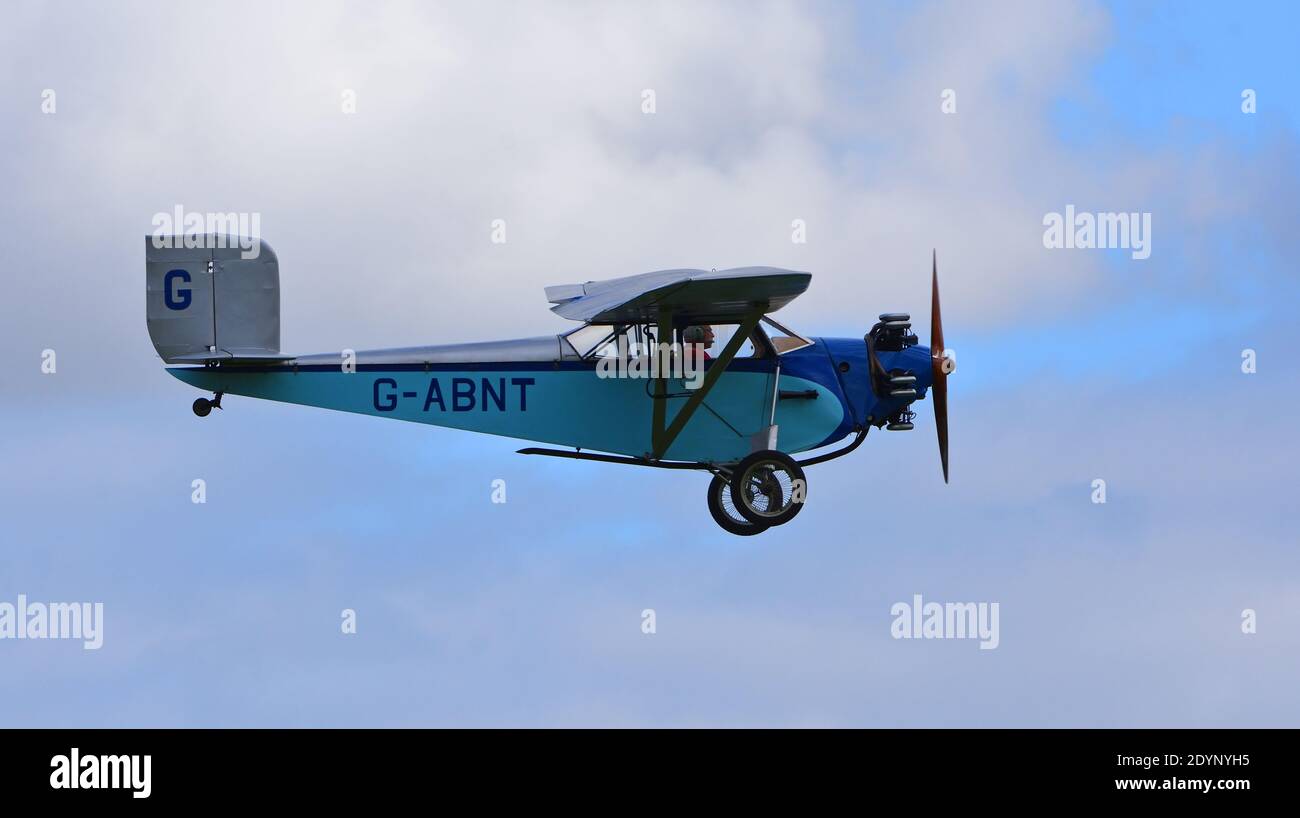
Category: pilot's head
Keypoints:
(701, 334)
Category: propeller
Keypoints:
(941, 366)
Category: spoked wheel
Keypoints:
(768, 488)
(725, 512)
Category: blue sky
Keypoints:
(1074, 364)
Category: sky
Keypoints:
(1074, 364)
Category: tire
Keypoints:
(763, 488)
(725, 514)
(202, 407)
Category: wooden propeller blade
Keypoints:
(939, 386)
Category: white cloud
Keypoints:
(766, 112)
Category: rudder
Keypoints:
(210, 303)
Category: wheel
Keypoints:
(202, 406)
(725, 513)
(768, 488)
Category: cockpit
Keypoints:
(594, 341)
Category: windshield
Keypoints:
(593, 340)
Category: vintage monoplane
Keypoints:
(768, 394)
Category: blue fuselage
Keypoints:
(564, 401)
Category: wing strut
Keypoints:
(660, 438)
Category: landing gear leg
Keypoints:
(203, 407)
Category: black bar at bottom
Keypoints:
(209, 767)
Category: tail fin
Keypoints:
(216, 301)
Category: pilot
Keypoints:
(697, 340)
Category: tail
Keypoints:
(212, 298)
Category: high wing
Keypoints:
(695, 296)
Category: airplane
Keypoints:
(213, 315)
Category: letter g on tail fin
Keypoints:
(209, 303)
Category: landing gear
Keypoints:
(203, 407)
(726, 514)
(768, 488)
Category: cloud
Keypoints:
(766, 113)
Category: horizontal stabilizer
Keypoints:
(230, 356)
